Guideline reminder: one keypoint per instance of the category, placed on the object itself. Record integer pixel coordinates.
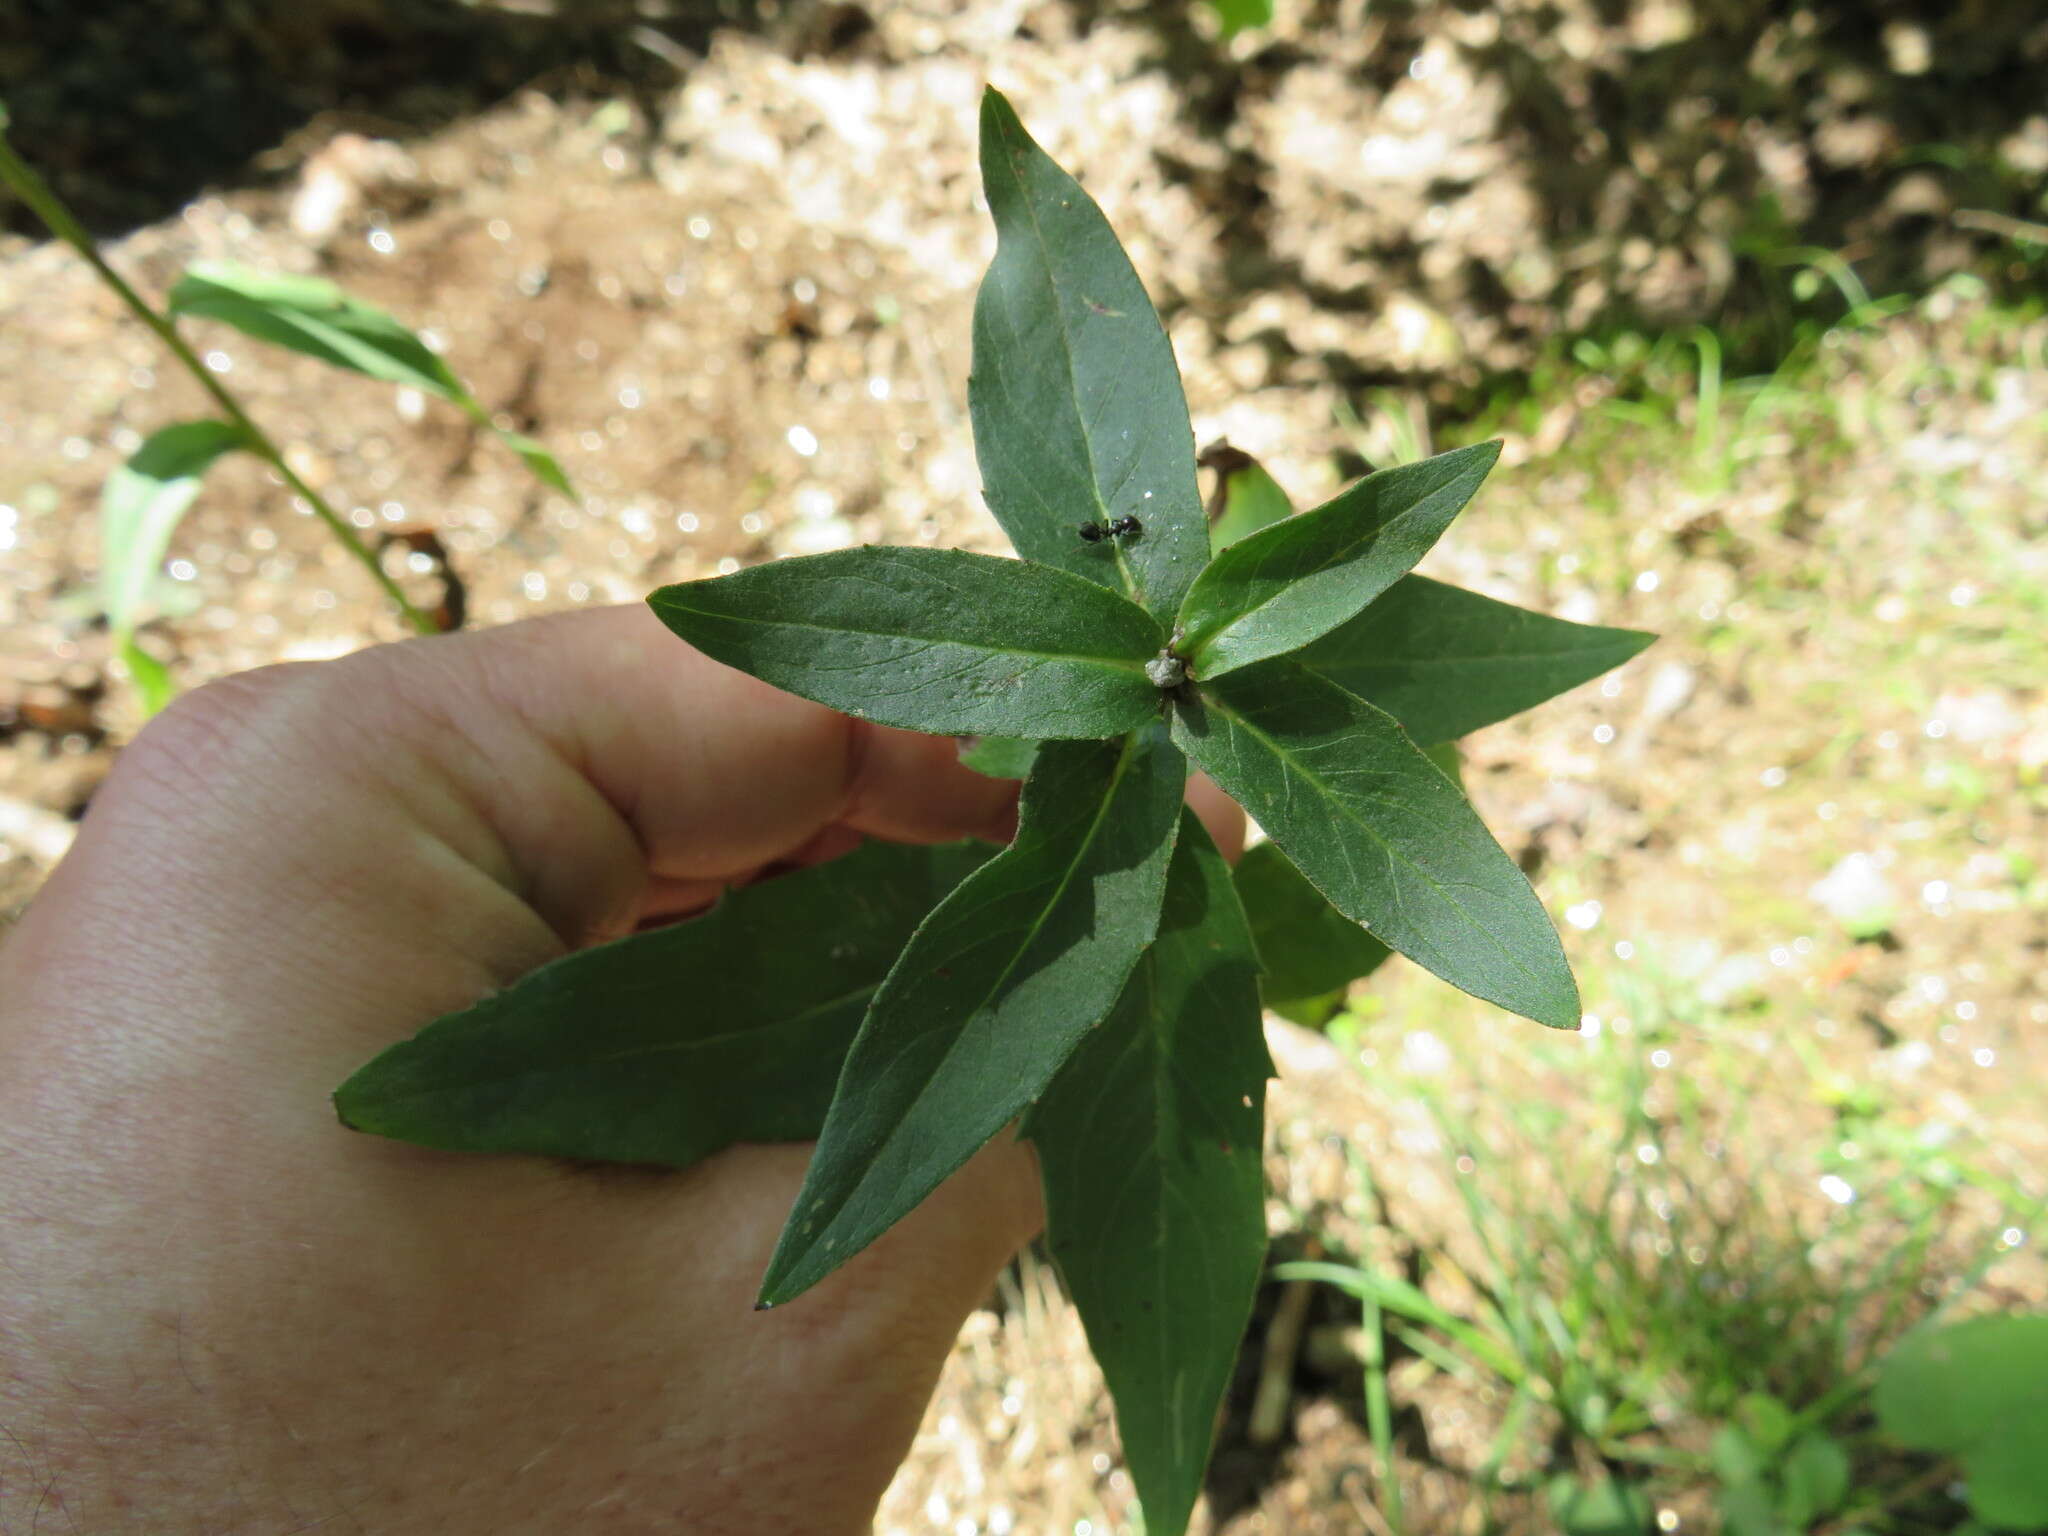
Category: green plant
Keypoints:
(1774, 1476)
(1098, 977)
(1978, 1391)
(1616, 1267)
(144, 500)
(1241, 15)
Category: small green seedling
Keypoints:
(1097, 981)
(146, 497)
(144, 500)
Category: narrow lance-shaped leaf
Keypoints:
(667, 1046)
(1295, 581)
(152, 679)
(1381, 832)
(1309, 952)
(933, 640)
(1307, 948)
(1444, 661)
(1237, 15)
(1077, 405)
(142, 504)
(312, 316)
(1150, 1141)
(1001, 757)
(1246, 498)
(990, 996)
(140, 508)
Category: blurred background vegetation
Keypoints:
(1752, 291)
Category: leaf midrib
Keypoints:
(660, 1048)
(1348, 553)
(1132, 746)
(1131, 581)
(1331, 798)
(1458, 659)
(1134, 665)
(1209, 639)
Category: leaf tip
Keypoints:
(1000, 126)
(346, 1110)
(785, 1279)
(777, 1286)
(1486, 454)
(1564, 1009)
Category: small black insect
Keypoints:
(1121, 528)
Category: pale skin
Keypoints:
(222, 1314)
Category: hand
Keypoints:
(224, 1313)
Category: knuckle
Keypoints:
(209, 738)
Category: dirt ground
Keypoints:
(736, 303)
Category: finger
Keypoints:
(714, 772)
(449, 813)
(1219, 813)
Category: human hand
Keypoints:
(222, 1312)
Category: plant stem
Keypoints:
(48, 207)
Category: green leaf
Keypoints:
(1077, 406)
(1747, 1509)
(1002, 757)
(541, 464)
(152, 679)
(1308, 1012)
(666, 1046)
(1381, 832)
(1406, 1300)
(1815, 1473)
(1286, 585)
(1978, 1391)
(1306, 947)
(1599, 1508)
(1246, 500)
(1150, 1140)
(312, 316)
(1448, 762)
(1444, 661)
(141, 505)
(990, 996)
(934, 640)
(1735, 1457)
(1766, 1420)
(1239, 15)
